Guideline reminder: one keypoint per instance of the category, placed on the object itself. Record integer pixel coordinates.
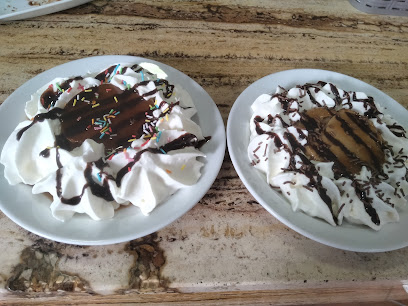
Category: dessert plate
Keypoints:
(347, 236)
(21, 9)
(33, 213)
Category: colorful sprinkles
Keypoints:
(103, 124)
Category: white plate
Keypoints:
(32, 212)
(21, 9)
(346, 237)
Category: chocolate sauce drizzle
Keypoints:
(49, 97)
(53, 114)
(45, 153)
(367, 201)
(397, 130)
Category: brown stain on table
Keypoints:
(149, 259)
(38, 271)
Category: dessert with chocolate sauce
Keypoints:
(95, 142)
(332, 154)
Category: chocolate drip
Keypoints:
(312, 99)
(310, 171)
(302, 135)
(336, 94)
(52, 114)
(58, 174)
(286, 103)
(367, 201)
(296, 146)
(368, 103)
(100, 164)
(186, 140)
(321, 83)
(101, 191)
(74, 200)
(278, 142)
(49, 97)
(270, 119)
(104, 75)
(168, 88)
(203, 142)
(45, 153)
(258, 128)
(397, 130)
(136, 68)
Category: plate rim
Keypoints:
(233, 152)
(209, 171)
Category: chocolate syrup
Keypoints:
(53, 114)
(367, 201)
(45, 153)
(49, 97)
(336, 94)
(101, 191)
(397, 130)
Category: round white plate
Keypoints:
(347, 236)
(32, 212)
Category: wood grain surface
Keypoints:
(224, 46)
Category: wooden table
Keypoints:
(227, 249)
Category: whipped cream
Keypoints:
(95, 142)
(332, 154)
